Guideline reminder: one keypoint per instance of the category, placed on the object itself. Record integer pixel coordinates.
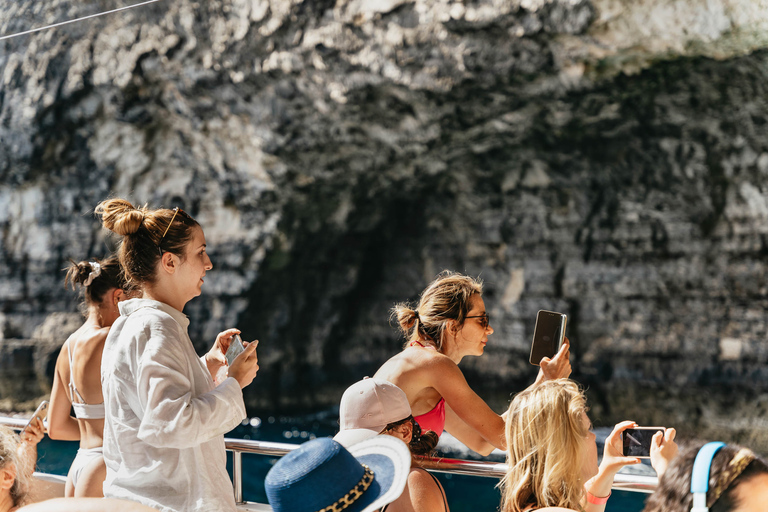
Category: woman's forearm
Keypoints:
(472, 436)
(64, 429)
(599, 487)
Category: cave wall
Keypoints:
(340, 154)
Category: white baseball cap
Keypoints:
(368, 406)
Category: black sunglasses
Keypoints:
(486, 319)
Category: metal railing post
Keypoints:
(237, 475)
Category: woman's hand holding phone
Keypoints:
(215, 359)
(559, 367)
(245, 366)
(613, 450)
(613, 461)
(34, 431)
(663, 450)
(30, 437)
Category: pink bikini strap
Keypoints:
(417, 342)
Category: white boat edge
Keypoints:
(45, 486)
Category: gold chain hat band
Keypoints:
(353, 495)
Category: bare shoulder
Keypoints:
(421, 477)
(414, 366)
(436, 365)
(65, 347)
(99, 334)
(425, 490)
(437, 359)
(427, 358)
(91, 338)
(62, 362)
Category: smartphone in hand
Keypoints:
(548, 335)
(637, 441)
(41, 412)
(236, 348)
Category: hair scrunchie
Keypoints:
(416, 314)
(95, 272)
(416, 433)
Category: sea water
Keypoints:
(464, 493)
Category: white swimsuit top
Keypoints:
(83, 411)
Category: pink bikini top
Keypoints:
(433, 420)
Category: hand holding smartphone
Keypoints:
(236, 348)
(41, 412)
(637, 441)
(548, 335)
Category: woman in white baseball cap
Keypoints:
(371, 407)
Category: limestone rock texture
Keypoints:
(603, 158)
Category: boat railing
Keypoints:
(624, 482)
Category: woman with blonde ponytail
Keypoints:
(449, 323)
(77, 381)
(166, 414)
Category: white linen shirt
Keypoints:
(165, 420)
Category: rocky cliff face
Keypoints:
(607, 159)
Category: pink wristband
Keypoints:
(595, 500)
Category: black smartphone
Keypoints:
(548, 335)
(637, 441)
(236, 348)
(41, 412)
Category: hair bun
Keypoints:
(425, 443)
(83, 272)
(78, 272)
(406, 317)
(120, 216)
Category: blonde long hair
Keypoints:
(545, 447)
(9, 442)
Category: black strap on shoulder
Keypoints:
(442, 492)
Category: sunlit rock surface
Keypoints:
(607, 159)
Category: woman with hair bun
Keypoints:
(166, 417)
(449, 323)
(77, 381)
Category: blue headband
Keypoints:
(700, 475)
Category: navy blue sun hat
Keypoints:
(321, 473)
